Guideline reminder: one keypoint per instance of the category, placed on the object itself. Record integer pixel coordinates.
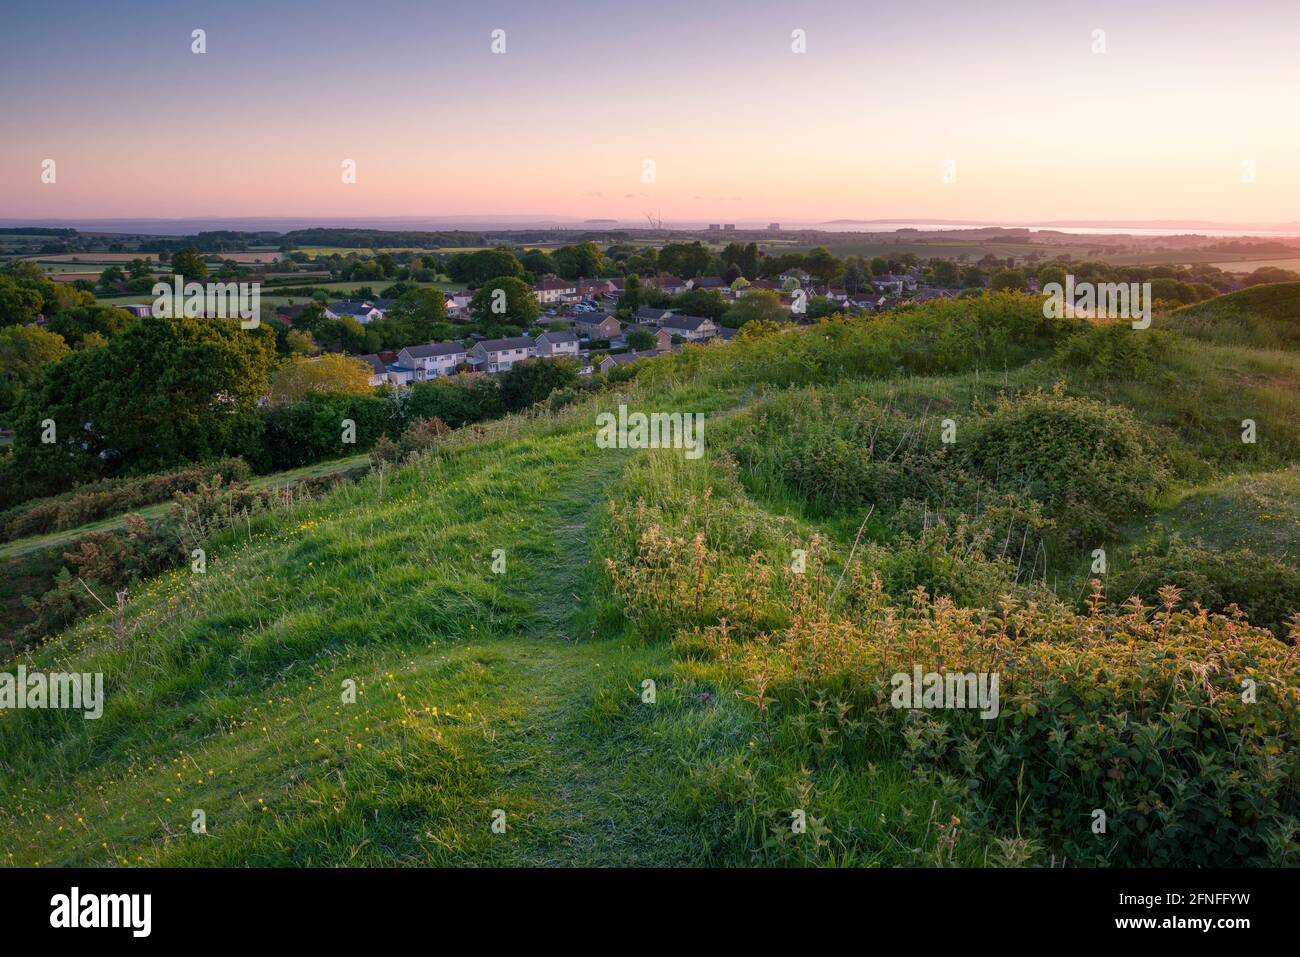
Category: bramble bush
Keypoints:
(1265, 588)
(107, 497)
(1091, 465)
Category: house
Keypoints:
(379, 369)
(707, 282)
(498, 355)
(140, 310)
(556, 344)
(648, 316)
(362, 312)
(433, 359)
(724, 335)
(624, 359)
(690, 328)
(596, 325)
(666, 283)
(290, 314)
(458, 304)
(554, 290)
(663, 340)
(926, 295)
(594, 288)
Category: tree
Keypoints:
(537, 262)
(528, 382)
(583, 261)
(631, 297)
(819, 307)
(820, 264)
(24, 352)
(944, 273)
(165, 391)
(1007, 280)
(855, 275)
(18, 305)
(188, 262)
(75, 324)
(1050, 274)
(478, 267)
(417, 313)
(332, 372)
(700, 302)
(687, 260)
(638, 339)
(504, 301)
(759, 305)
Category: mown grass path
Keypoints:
(476, 691)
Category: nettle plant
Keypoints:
(1180, 724)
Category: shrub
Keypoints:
(1117, 351)
(1090, 464)
(107, 497)
(1266, 588)
(1139, 712)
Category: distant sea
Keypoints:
(280, 224)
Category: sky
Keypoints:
(689, 111)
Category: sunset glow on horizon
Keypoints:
(1035, 125)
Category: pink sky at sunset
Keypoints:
(739, 127)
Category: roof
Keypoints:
(564, 335)
(649, 313)
(626, 358)
(345, 308)
(727, 334)
(375, 363)
(590, 318)
(555, 284)
(429, 350)
(500, 345)
(689, 323)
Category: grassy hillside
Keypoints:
(1262, 317)
(524, 690)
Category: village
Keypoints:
(579, 322)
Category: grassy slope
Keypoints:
(1265, 317)
(226, 698)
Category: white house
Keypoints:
(433, 360)
(554, 290)
(498, 355)
(690, 328)
(556, 344)
(362, 312)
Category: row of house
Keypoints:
(437, 359)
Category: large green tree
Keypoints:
(189, 263)
(504, 301)
(418, 314)
(165, 391)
